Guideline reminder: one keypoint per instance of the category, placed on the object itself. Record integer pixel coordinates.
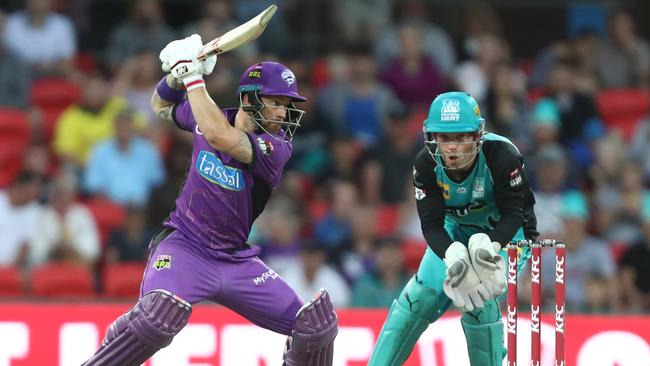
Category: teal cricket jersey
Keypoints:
(493, 198)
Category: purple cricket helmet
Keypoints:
(271, 79)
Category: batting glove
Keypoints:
(488, 264)
(180, 58)
(462, 285)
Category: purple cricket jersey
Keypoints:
(221, 196)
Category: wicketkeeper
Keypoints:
(202, 254)
(472, 197)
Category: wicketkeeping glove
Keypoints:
(488, 264)
(462, 285)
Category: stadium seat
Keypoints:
(62, 280)
(108, 216)
(11, 161)
(50, 119)
(10, 282)
(387, 220)
(123, 279)
(54, 93)
(622, 109)
(413, 251)
(318, 209)
(14, 124)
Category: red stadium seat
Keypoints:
(123, 279)
(622, 109)
(50, 119)
(54, 93)
(62, 280)
(387, 220)
(14, 138)
(108, 216)
(318, 209)
(413, 251)
(14, 124)
(10, 282)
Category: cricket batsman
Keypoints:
(472, 197)
(201, 254)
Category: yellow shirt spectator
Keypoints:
(79, 129)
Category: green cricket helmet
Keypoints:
(453, 112)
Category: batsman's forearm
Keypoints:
(211, 120)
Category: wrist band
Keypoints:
(194, 84)
(168, 93)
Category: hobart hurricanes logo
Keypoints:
(214, 170)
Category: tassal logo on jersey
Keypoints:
(213, 170)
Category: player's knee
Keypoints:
(158, 317)
(490, 313)
(422, 301)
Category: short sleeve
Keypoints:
(270, 155)
(183, 117)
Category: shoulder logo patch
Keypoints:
(163, 261)
(515, 178)
(265, 146)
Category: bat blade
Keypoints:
(240, 35)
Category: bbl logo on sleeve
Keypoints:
(163, 261)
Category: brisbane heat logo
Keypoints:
(450, 110)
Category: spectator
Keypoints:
(125, 168)
(379, 287)
(634, 271)
(20, 216)
(640, 148)
(343, 161)
(362, 20)
(67, 229)
(549, 182)
(88, 122)
(334, 230)
(588, 256)
(312, 274)
(136, 78)
(358, 106)
(436, 42)
(620, 205)
(144, 30)
(544, 124)
(41, 38)
(129, 242)
(389, 164)
(278, 232)
(580, 124)
(359, 255)
(624, 57)
(216, 19)
(505, 104)
(412, 75)
(472, 75)
(15, 77)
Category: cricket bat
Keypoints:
(238, 36)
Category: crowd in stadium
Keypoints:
(88, 172)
